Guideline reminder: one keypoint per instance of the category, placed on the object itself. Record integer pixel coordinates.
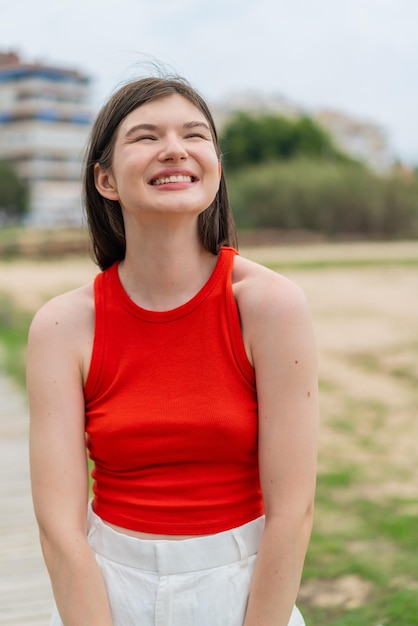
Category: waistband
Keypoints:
(175, 556)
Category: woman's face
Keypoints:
(164, 160)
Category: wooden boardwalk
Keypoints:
(25, 594)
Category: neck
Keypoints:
(164, 268)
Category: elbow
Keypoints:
(295, 522)
(48, 544)
(52, 552)
(60, 547)
(308, 516)
(52, 548)
(307, 521)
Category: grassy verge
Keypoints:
(361, 563)
(370, 545)
(14, 325)
(334, 264)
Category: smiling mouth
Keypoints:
(172, 179)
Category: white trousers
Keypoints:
(202, 581)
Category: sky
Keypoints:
(359, 57)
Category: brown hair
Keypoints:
(215, 225)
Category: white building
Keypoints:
(363, 140)
(45, 119)
(253, 103)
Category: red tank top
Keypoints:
(171, 411)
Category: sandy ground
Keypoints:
(366, 323)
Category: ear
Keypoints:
(219, 169)
(105, 183)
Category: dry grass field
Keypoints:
(361, 567)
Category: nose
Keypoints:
(173, 149)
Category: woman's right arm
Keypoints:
(59, 340)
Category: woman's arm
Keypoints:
(59, 340)
(278, 331)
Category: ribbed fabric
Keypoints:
(171, 411)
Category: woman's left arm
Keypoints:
(279, 333)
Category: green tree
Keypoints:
(312, 140)
(14, 193)
(249, 139)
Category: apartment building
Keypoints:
(45, 118)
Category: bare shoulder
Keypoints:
(65, 311)
(64, 326)
(263, 293)
(276, 327)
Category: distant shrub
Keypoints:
(250, 139)
(324, 197)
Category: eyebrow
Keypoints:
(153, 127)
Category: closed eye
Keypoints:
(195, 136)
(145, 137)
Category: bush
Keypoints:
(327, 198)
(249, 139)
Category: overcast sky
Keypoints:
(358, 56)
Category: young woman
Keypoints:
(190, 372)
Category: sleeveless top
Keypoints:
(171, 411)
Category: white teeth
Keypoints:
(172, 179)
